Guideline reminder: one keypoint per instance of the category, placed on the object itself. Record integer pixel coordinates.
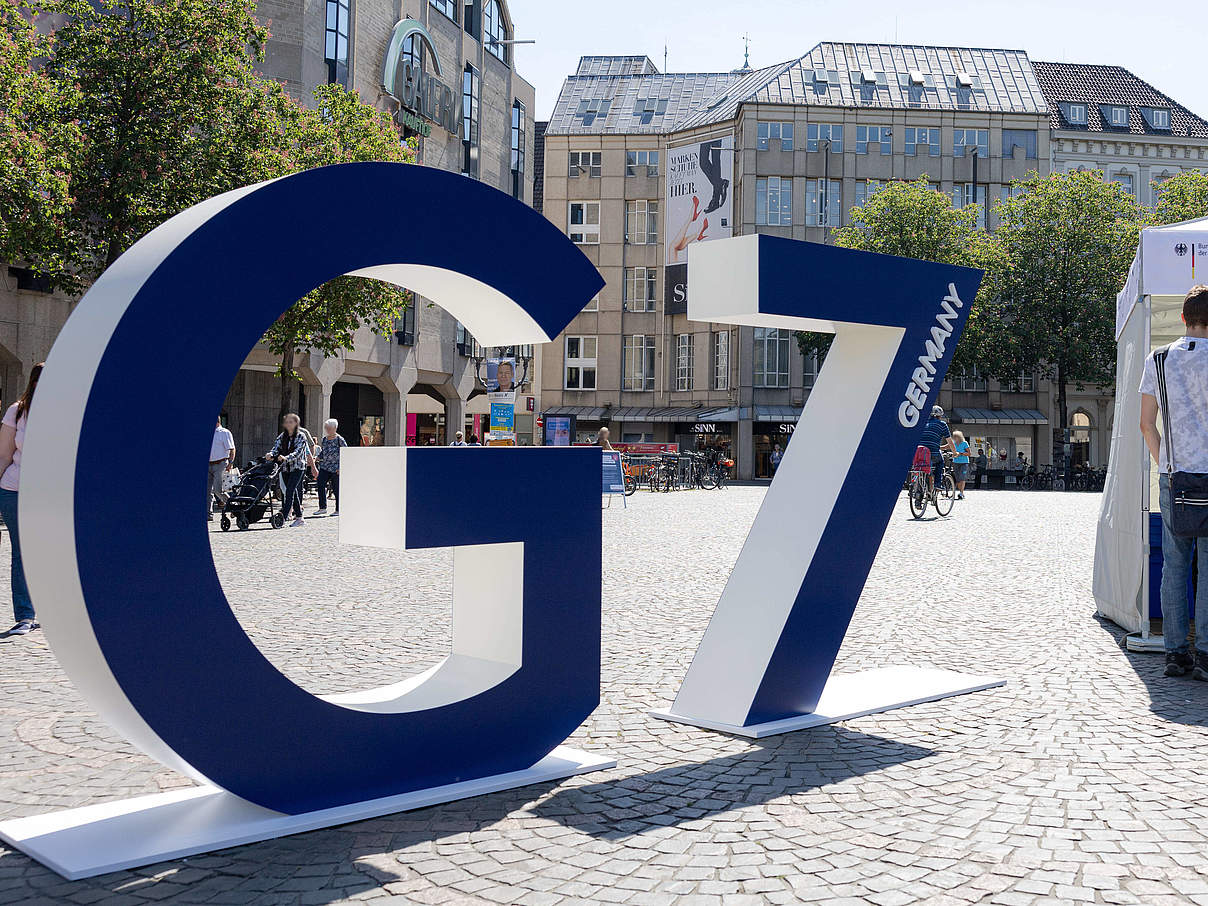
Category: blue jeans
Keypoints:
(23, 606)
(293, 493)
(1176, 568)
(326, 475)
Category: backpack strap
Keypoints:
(1159, 361)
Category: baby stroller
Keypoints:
(253, 497)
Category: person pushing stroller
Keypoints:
(292, 451)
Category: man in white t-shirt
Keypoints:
(222, 458)
(1187, 401)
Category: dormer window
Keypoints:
(1075, 114)
(646, 109)
(1156, 117)
(1117, 117)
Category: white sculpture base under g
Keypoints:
(851, 695)
(83, 842)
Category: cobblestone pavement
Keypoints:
(1081, 781)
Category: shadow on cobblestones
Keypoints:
(773, 768)
(1181, 700)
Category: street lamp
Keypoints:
(481, 354)
(973, 150)
(824, 195)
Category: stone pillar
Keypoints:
(395, 413)
(318, 407)
(455, 417)
(744, 449)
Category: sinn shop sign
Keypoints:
(423, 98)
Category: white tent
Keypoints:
(1170, 260)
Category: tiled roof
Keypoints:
(1099, 86)
(832, 74)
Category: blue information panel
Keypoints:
(614, 477)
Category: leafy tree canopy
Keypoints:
(1182, 197)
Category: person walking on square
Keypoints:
(329, 465)
(1184, 394)
(292, 451)
(12, 439)
(777, 455)
(960, 464)
(473, 441)
(459, 440)
(602, 440)
(222, 460)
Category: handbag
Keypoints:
(1188, 490)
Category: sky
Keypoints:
(706, 35)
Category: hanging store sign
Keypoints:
(423, 98)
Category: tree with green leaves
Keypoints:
(38, 140)
(172, 112)
(1182, 197)
(912, 220)
(340, 128)
(1065, 244)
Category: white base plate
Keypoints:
(850, 695)
(1135, 643)
(82, 842)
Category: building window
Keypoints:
(594, 304)
(641, 286)
(494, 32)
(518, 113)
(781, 132)
(1117, 117)
(641, 163)
(589, 109)
(923, 139)
(962, 197)
(1125, 180)
(771, 357)
(469, 17)
(335, 36)
(584, 222)
(823, 202)
(721, 360)
(973, 382)
(445, 6)
(466, 344)
(579, 369)
(642, 222)
(874, 135)
(1008, 192)
(969, 138)
(866, 189)
(413, 53)
(816, 133)
(773, 201)
(404, 327)
(1076, 114)
(584, 163)
(1019, 138)
(810, 371)
(683, 361)
(1159, 117)
(1025, 382)
(471, 87)
(638, 369)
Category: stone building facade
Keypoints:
(819, 133)
(419, 385)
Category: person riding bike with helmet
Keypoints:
(937, 438)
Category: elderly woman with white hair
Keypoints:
(327, 452)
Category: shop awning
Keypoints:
(777, 413)
(674, 414)
(588, 412)
(1000, 416)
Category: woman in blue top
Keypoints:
(960, 465)
(293, 452)
(327, 451)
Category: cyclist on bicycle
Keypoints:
(937, 438)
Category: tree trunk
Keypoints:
(287, 385)
(1063, 422)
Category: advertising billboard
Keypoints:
(698, 208)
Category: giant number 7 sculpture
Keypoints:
(764, 664)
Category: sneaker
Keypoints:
(24, 627)
(1200, 672)
(1178, 663)
(297, 522)
(337, 512)
(960, 495)
(321, 512)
